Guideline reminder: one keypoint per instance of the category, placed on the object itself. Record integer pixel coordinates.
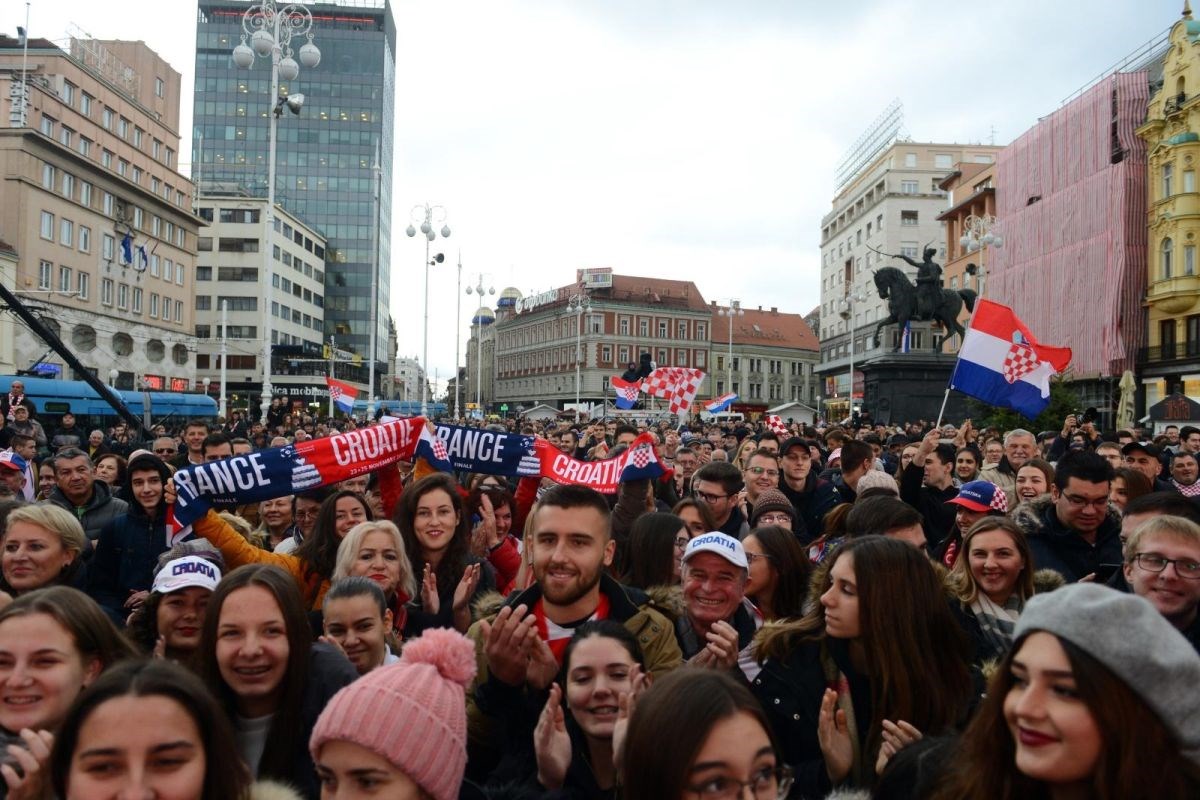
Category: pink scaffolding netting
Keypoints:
(1073, 265)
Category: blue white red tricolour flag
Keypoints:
(627, 391)
(1001, 363)
(906, 337)
(721, 403)
(342, 394)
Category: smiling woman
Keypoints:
(42, 547)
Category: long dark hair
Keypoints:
(450, 569)
(671, 723)
(285, 738)
(319, 551)
(225, 776)
(1132, 736)
(792, 568)
(918, 654)
(651, 548)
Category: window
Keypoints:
(179, 273)
(168, 268)
(908, 217)
(943, 160)
(122, 167)
(85, 194)
(47, 225)
(1168, 172)
(106, 291)
(45, 275)
(68, 185)
(85, 147)
(85, 104)
(66, 232)
(108, 247)
(908, 187)
(123, 128)
(203, 302)
(179, 311)
(910, 159)
(242, 303)
(156, 148)
(85, 239)
(153, 265)
(66, 136)
(699, 358)
(243, 215)
(138, 133)
(106, 158)
(47, 177)
(139, 217)
(47, 126)
(204, 273)
(1166, 253)
(170, 159)
(137, 175)
(64, 280)
(137, 300)
(233, 245)
(1189, 259)
(204, 244)
(154, 304)
(160, 88)
(108, 204)
(83, 285)
(701, 330)
(166, 309)
(662, 329)
(643, 328)
(1189, 180)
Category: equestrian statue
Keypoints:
(926, 300)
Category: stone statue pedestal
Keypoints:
(905, 387)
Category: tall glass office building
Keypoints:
(325, 156)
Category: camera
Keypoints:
(1090, 414)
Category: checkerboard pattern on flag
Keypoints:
(777, 425)
(342, 394)
(675, 384)
(1019, 362)
(627, 391)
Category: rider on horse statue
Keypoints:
(929, 283)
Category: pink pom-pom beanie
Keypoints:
(412, 713)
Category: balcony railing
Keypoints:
(1169, 352)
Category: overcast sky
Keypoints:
(689, 139)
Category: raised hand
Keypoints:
(543, 667)
(896, 737)
(32, 781)
(639, 682)
(833, 734)
(551, 742)
(507, 641)
(429, 591)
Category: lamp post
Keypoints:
(978, 236)
(734, 309)
(846, 312)
(271, 28)
(579, 304)
(478, 289)
(429, 216)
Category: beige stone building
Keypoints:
(765, 356)
(88, 161)
(8, 277)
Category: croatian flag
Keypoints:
(777, 425)
(1001, 363)
(627, 391)
(721, 403)
(343, 394)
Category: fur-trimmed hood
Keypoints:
(270, 790)
(487, 605)
(668, 600)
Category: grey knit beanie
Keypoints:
(1127, 635)
(771, 500)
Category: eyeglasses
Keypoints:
(708, 498)
(770, 473)
(1153, 562)
(682, 541)
(752, 557)
(775, 519)
(306, 513)
(772, 783)
(164, 451)
(1079, 502)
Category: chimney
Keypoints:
(760, 308)
(774, 309)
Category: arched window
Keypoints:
(1166, 256)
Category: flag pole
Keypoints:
(970, 322)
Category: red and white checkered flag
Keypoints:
(776, 425)
(1019, 361)
(678, 385)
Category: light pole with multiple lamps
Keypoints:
(429, 216)
(578, 304)
(478, 289)
(271, 28)
(846, 311)
(734, 309)
(977, 235)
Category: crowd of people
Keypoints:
(859, 610)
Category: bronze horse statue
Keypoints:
(895, 287)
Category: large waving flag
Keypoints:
(627, 391)
(675, 384)
(721, 403)
(1001, 363)
(343, 394)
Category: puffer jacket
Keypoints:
(495, 708)
(125, 555)
(99, 511)
(1057, 547)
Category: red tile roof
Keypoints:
(770, 327)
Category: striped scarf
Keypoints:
(996, 623)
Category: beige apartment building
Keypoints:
(890, 206)
(92, 203)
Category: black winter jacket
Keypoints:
(1057, 547)
(123, 562)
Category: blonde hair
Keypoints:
(243, 527)
(1179, 527)
(348, 549)
(961, 581)
(524, 577)
(55, 519)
